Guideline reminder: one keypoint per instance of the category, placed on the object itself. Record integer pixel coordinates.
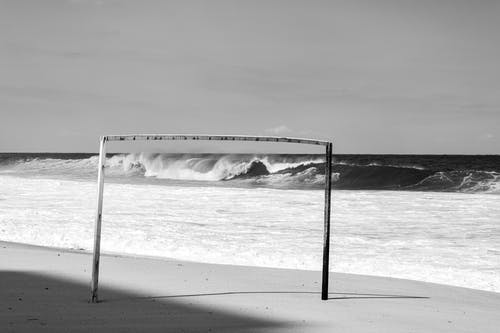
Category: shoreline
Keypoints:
(49, 288)
(167, 259)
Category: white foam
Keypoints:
(207, 168)
(449, 238)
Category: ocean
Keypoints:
(424, 217)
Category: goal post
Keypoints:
(170, 137)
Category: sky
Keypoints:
(385, 76)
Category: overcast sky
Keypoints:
(374, 76)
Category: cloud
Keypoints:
(281, 129)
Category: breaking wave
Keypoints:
(277, 171)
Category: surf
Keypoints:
(284, 171)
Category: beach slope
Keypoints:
(48, 289)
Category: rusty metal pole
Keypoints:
(326, 234)
(98, 220)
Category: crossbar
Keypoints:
(155, 137)
(170, 137)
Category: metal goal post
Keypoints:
(169, 137)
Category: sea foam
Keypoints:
(450, 238)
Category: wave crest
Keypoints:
(277, 171)
(187, 167)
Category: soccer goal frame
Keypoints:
(172, 137)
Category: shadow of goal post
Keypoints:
(170, 137)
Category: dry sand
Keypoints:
(48, 289)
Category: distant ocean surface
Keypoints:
(447, 173)
(423, 217)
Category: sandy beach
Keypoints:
(221, 153)
(46, 288)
